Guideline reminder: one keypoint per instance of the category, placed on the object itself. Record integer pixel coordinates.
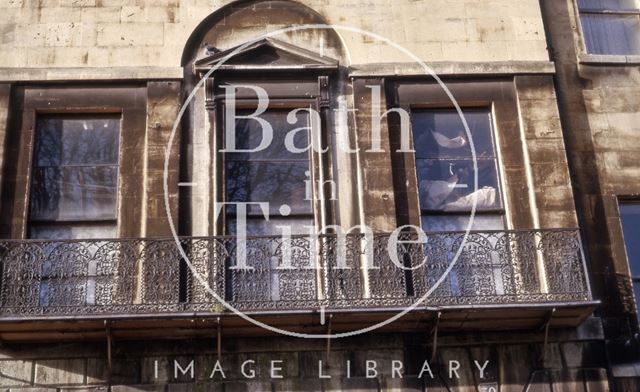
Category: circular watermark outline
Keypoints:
(199, 276)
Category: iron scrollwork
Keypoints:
(77, 277)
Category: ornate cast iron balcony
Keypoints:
(147, 276)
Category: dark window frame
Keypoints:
(313, 90)
(499, 94)
(30, 101)
(78, 221)
(607, 12)
(635, 279)
(488, 109)
(314, 157)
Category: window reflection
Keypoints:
(441, 134)
(611, 27)
(445, 170)
(448, 185)
(74, 180)
(630, 218)
(275, 175)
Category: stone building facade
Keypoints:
(598, 95)
(112, 122)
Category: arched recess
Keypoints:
(231, 26)
(243, 20)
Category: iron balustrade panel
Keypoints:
(148, 276)
(504, 267)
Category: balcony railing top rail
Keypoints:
(354, 271)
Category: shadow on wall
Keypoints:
(189, 364)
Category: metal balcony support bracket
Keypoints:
(219, 338)
(545, 326)
(329, 336)
(434, 333)
(107, 328)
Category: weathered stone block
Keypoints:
(490, 29)
(15, 373)
(247, 386)
(130, 34)
(595, 380)
(138, 388)
(35, 389)
(59, 15)
(124, 371)
(30, 35)
(406, 384)
(583, 354)
(552, 356)
(381, 362)
(77, 3)
(297, 385)
(567, 380)
(334, 364)
(451, 358)
(540, 381)
(515, 366)
(159, 370)
(60, 371)
(90, 16)
(351, 385)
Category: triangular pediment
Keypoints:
(266, 54)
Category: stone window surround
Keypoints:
(499, 96)
(314, 94)
(31, 101)
(495, 211)
(599, 59)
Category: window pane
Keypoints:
(636, 291)
(441, 134)
(619, 5)
(75, 177)
(277, 183)
(249, 135)
(460, 222)
(74, 193)
(76, 230)
(611, 34)
(48, 144)
(448, 185)
(63, 141)
(630, 217)
(275, 175)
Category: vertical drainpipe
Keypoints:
(561, 100)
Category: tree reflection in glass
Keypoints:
(74, 180)
(274, 175)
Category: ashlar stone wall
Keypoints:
(139, 33)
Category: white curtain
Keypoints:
(486, 198)
(438, 191)
(444, 141)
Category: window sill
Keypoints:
(607, 59)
